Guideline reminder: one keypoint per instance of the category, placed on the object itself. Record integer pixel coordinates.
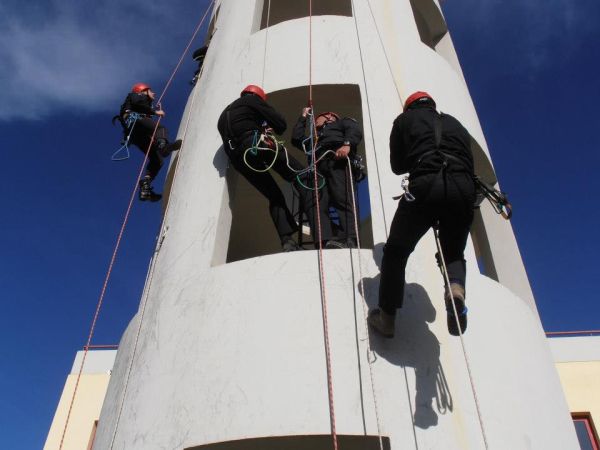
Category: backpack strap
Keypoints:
(437, 129)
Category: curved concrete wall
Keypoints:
(235, 351)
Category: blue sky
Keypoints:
(531, 68)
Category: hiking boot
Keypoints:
(458, 293)
(382, 322)
(289, 245)
(167, 149)
(146, 191)
(351, 243)
(332, 243)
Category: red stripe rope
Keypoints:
(122, 230)
(319, 233)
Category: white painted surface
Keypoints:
(575, 348)
(230, 351)
(96, 361)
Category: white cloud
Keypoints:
(70, 54)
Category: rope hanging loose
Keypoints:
(266, 42)
(320, 253)
(364, 306)
(462, 342)
(132, 119)
(122, 230)
(436, 236)
(362, 63)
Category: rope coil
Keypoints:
(130, 122)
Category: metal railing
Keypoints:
(572, 333)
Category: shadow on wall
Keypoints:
(414, 345)
(221, 162)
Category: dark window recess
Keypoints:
(481, 243)
(479, 235)
(430, 22)
(283, 10)
(212, 25)
(252, 231)
(586, 432)
(313, 442)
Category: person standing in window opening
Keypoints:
(140, 130)
(436, 150)
(246, 127)
(337, 140)
(199, 56)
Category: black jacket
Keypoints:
(413, 138)
(247, 114)
(138, 103)
(331, 136)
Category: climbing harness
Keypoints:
(308, 144)
(444, 269)
(404, 185)
(267, 142)
(263, 143)
(129, 124)
(497, 199)
(483, 190)
(118, 242)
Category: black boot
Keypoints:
(351, 243)
(146, 192)
(289, 245)
(166, 149)
(335, 244)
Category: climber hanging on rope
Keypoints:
(246, 127)
(138, 126)
(436, 150)
(337, 139)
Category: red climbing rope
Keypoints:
(320, 238)
(123, 225)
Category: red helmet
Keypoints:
(328, 113)
(140, 87)
(253, 89)
(414, 97)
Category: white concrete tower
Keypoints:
(227, 350)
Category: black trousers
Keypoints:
(336, 193)
(444, 197)
(265, 183)
(140, 137)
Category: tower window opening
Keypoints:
(252, 231)
(479, 234)
(306, 442)
(433, 30)
(284, 10)
(430, 22)
(212, 26)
